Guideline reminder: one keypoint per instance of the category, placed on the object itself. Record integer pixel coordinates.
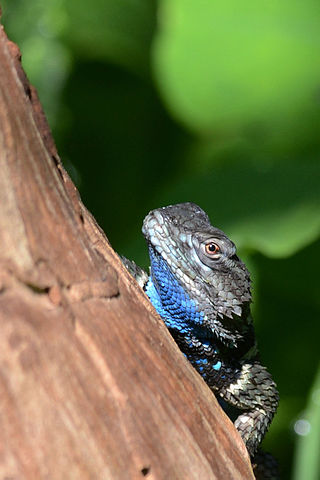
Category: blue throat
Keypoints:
(168, 297)
(176, 308)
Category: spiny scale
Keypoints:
(204, 299)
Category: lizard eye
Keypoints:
(212, 249)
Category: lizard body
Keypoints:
(201, 289)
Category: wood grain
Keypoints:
(92, 386)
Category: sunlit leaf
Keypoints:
(228, 66)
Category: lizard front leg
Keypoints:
(244, 384)
(252, 390)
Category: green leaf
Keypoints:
(229, 66)
(36, 27)
(116, 30)
(273, 208)
(307, 460)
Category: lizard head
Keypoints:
(201, 258)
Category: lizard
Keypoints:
(202, 291)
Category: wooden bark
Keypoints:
(92, 386)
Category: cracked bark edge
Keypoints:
(91, 383)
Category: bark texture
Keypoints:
(91, 384)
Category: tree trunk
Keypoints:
(92, 386)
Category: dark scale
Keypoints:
(201, 289)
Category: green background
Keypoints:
(218, 103)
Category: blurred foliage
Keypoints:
(307, 460)
(250, 62)
(154, 103)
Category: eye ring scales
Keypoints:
(212, 249)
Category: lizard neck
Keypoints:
(170, 299)
(188, 313)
